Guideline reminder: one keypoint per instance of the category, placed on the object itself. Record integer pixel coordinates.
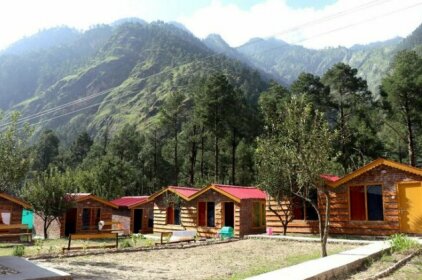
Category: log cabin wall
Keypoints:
(219, 200)
(106, 214)
(340, 222)
(146, 208)
(14, 209)
(123, 216)
(274, 211)
(387, 177)
(245, 221)
(187, 215)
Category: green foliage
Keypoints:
(39, 244)
(402, 94)
(350, 106)
(295, 150)
(401, 242)
(15, 157)
(126, 243)
(46, 151)
(18, 250)
(49, 194)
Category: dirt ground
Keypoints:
(235, 260)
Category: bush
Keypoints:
(126, 244)
(400, 243)
(19, 250)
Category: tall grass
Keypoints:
(401, 242)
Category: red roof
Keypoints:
(241, 192)
(127, 201)
(329, 177)
(185, 191)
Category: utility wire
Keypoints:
(313, 22)
(58, 108)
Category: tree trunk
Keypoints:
(233, 179)
(176, 162)
(155, 160)
(410, 139)
(192, 158)
(216, 155)
(324, 225)
(46, 224)
(202, 152)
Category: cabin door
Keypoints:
(229, 214)
(137, 220)
(410, 205)
(70, 221)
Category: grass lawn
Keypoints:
(412, 270)
(52, 246)
(235, 260)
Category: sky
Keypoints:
(311, 23)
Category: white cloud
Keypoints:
(20, 18)
(357, 22)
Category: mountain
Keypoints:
(44, 39)
(413, 41)
(123, 73)
(23, 76)
(287, 61)
(111, 75)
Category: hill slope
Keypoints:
(133, 69)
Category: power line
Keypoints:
(58, 108)
(313, 22)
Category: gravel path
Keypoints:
(220, 261)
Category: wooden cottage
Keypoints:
(88, 210)
(381, 198)
(217, 206)
(135, 214)
(172, 212)
(11, 215)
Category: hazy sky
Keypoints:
(312, 23)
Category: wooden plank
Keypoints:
(79, 236)
(14, 226)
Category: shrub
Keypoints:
(126, 244)
(136, 237)
(400, 243)
(19, 250)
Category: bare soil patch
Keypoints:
(235, 260)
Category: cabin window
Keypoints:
(366, 203)
(173, 215)
(374, 202)
(151, 218)
(90, 218)
(206, 214)
(258, 214)
(210, 214)
(298, 209)
(303, 210)
(5, 217)
(177, 216)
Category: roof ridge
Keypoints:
(235, 186)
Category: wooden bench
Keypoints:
(177, 237)
(7, 231)
(115, 227)
(92, 236)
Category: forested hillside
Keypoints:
(129, 108)
(126, 70)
